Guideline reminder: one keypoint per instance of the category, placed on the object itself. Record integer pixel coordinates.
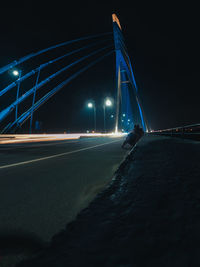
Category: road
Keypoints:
(43, 185)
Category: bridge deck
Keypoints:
(149, 214)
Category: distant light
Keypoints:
(129, 120)
(87, 131)
(115, 19)
(16, 72)
(122, 120)
(90, 105)
(112, 116)
(124, 115)
(108, 102)
(122, 130)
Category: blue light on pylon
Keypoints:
(124, 76)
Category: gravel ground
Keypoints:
(148, 216)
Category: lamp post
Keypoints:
(19, 74)
(107, 103)
(92, 105)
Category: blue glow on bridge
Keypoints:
(125, 80)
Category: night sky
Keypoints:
(162, 42)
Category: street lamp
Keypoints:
(107, 103)
(16, 72)
(19, 74)
(92, 105)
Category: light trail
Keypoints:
(32, 138)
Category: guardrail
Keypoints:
(189, 132)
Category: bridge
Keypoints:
(46, 180)
(128, 112)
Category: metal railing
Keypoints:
(188, 131)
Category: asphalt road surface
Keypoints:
(43, 186)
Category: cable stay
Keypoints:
(44, 65)
(25, 58)
(4, 113)
(24, 117)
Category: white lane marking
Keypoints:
(54, 156)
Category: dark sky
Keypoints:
(162, 41)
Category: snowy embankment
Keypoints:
(148, 216)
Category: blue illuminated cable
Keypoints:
(9, 109)
(42, 100)
(25, 58)
(42, 66)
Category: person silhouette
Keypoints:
(133, 136)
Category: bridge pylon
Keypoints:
(124, 79)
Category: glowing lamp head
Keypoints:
(15, 72)
(90, 105)
(108, 103)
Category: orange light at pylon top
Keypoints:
(115, 19)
